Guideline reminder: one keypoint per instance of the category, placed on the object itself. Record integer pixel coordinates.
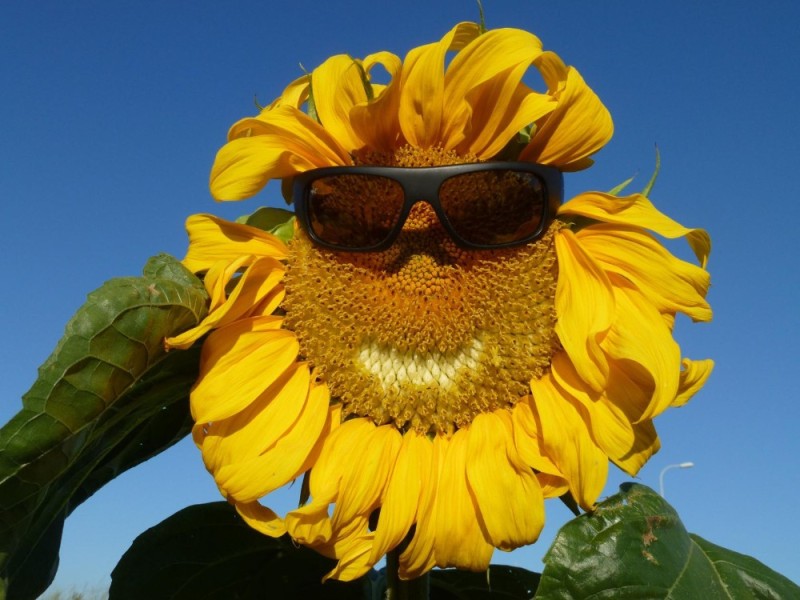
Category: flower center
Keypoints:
(425, 334)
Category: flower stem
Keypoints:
(404, 589)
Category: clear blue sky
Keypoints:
(112, 112)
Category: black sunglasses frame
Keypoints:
(422, 184)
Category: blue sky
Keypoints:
(112, 112)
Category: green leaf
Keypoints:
(108, 398)
(634, 546)
(277, 221)
(499, 581)
(207, 551)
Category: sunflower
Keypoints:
(433, 396)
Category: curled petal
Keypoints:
(670, 284)
(637, 210)
(353, 554)
(421, 102)
(310, 525)
(296, 93)
(485, 102)
(376, 121)
(338, 86)
(258, 282)
(627, 444)
(693, 376)
(578, 127)
(640, 344)
(262, 519)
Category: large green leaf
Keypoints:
(634, 546)
(207, 551)
(499, 581)
(108, 398)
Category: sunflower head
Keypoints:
(497, 350)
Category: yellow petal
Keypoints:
(507, 493)
(262, 519)
(338, 85)
(353, 553)
(422, 95)
(578, 127)
(485, 103)
(310, 524)
(670, 284)
(277, 144)
(584, 308)
(219, 276)
(529, 446)
(418, 557)
(238, 363)
(566, 438)
(628, 445)
(694, 375)
(336, 458)
(376, 122)
(282, 460)
(498, 112)
(258, 281)
(459, 542)
(403, 493)
(213, 240)
(640, 344)
(637, 210)
(296, 93)
(363, 481)
(249, 433)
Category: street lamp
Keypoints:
(683, 465)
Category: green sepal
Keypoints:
(517, 144)
(108, 398)
(635, 547)
(649, 187)
(277, 221)
(364, 79)
(615, 191)
(311, 107)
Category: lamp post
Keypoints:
(683, 465)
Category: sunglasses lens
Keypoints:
(354, 211)
(494, 207)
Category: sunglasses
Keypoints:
(480, 205)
